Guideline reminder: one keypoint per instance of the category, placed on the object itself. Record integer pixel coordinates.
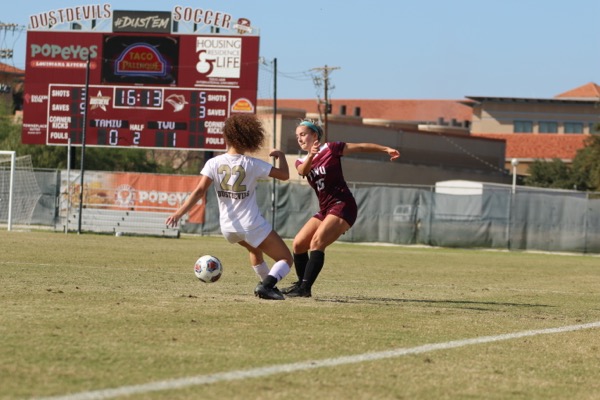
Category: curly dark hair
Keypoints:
(244, 132)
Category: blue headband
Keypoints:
(312, 127)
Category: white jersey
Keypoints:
(235, 177)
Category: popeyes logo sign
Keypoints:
(128, 196)
(163, 198)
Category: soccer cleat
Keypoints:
(268, 293)
(294, 286)
(299, 292)
(278, 291)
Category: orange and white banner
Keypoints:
(135, 191)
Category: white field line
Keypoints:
(172, 384)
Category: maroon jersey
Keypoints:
(326, 176)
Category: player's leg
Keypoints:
(300, 248)
(257, 261)
(265, 288)
(301, 245)
(265, 239)
(275, 247)
(328, 231)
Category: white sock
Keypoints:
(280, 270)
(261, 270)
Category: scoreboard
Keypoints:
(159, 90)
(151, 117)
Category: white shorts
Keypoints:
(254, 237)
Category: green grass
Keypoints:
(90, 312)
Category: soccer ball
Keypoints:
(208, 269)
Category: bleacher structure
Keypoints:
(119, 222)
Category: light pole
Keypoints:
(511, 201)
(326, 84)
(514, 162)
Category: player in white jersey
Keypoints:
(235, 176)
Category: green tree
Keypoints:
(549, 174)
(110, 159)
(586, 165)
(179, 162)
(42, 156)
(96, 158)
(584, 173)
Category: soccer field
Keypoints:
(99, 317)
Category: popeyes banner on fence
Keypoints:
(133, 191)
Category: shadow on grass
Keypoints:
(466, 304)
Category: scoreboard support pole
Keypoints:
(85, 111)
(274, 194)
(69, 149)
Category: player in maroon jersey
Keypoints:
(323, 168)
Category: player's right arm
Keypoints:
(191, 200)
(283, 171)
(304, 168)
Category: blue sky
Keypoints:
(398, 49)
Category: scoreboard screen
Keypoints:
(139, 116)
(142, 90)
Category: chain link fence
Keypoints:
(494, 217)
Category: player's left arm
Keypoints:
(350, 148)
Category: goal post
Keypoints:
(11, 188)
(19, 190)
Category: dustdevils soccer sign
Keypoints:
(144, 89)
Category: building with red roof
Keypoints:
(8, 71)
(539, 129)
(11, 85)
(434, 143)
(456, 112)
(532, 128)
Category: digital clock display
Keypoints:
(138, 98)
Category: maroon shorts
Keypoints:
(347, 211)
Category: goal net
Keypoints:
(19, 190)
